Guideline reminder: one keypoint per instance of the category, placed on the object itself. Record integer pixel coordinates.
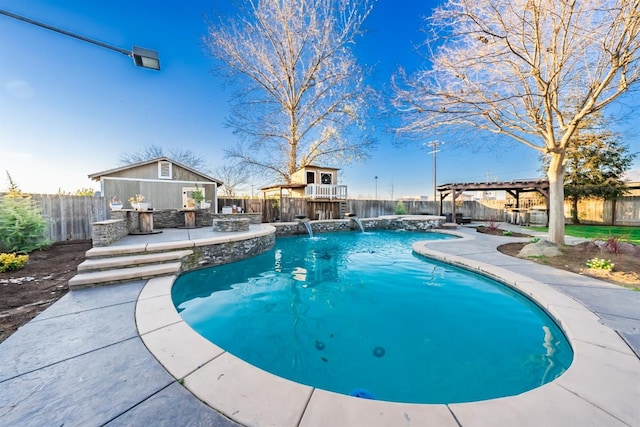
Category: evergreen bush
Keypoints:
(22, 226)
(401, 209)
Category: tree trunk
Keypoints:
(613, 211)
(574, 211)
(555, 173)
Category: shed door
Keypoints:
(187, 199)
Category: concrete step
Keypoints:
(98, 278)
(99, 264)
(142, 248)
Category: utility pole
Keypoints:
(376, 178)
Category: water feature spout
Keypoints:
(307, 226)
(302, 219)
(355, 219)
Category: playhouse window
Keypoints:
(311, 177)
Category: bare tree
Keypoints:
(233, 176)
(186, 157)
(596, 161)
(519, 68)
(301, 97)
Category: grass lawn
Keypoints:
(602, 232)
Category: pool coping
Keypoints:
(251, 396)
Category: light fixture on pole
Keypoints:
(434, 145)
(145, 58)
(376, 178)
(142, 57)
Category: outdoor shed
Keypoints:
(164, 184)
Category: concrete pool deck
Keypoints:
(84, 361)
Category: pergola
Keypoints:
(514, 188)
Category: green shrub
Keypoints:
(401, 209)
(12, 261)
(507, 233)
(22, 226)
(600, 264)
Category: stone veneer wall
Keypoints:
(225, 253)
(412, 223)
(254, 218)
(130, 218)
(174, 218)
(104, 233)
(239, 224)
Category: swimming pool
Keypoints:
(360, 313)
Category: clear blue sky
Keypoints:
(69, 108)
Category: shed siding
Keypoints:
(160, 194)
(141, 172)
(150, 171)
(180, 174)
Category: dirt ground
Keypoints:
(27, 292)
(626, 270)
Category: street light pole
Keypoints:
(434, 145)
(142, 57)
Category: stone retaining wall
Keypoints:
(254, 218)
(240, 224)
(167, 218)
(410, 223)
(174, 218)
(104, 233)
(130, 218)
(225, 253)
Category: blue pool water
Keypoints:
(360, 313)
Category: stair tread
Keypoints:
(121, 274)
(134, 259)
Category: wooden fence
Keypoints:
(70, 217)
(286, 209)
(625, 210)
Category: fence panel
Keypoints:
(627, 211)
(70, 217)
